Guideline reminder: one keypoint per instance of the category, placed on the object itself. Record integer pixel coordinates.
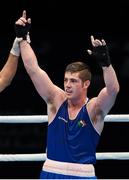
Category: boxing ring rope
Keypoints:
(42, 156)
(44, 118)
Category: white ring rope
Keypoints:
(24, 119)
(44, 118)
(42, 156)
(117, 118)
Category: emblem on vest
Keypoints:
(81, 123)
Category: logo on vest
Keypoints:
(63, 119)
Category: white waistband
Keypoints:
(73, 169)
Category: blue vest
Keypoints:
(72, 141)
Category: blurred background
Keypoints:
(60, 32)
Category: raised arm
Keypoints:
(45, 87)
(9, 70)
(107, 96)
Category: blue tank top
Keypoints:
(72, 141)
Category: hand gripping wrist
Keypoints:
(102, 55)
(15, 48)
(22, 31)
(27, 38)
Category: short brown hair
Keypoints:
(82, 68)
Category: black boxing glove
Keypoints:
(22, 31)
(101, 54)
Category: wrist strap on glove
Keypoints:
(15, 50)
(102, 55)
